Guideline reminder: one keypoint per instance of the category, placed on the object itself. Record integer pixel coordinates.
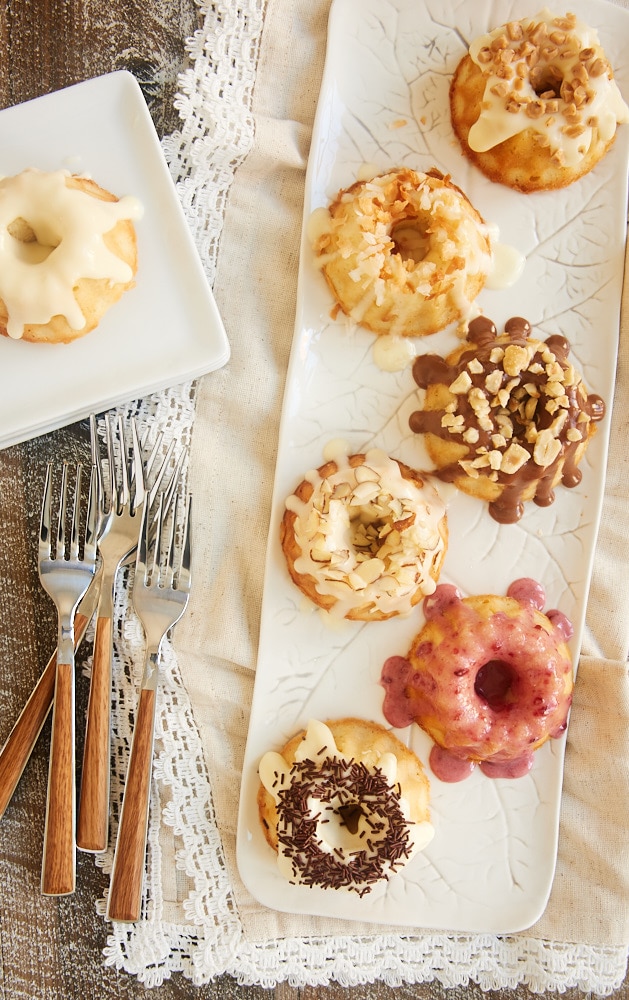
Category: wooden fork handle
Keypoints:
(125, 891)
(93, 820)
(59, 860)
(23, 737)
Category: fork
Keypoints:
(120, 521)
(65, 576)
(123, 500)
(160, 596)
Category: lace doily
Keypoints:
(200, 935)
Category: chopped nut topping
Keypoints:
(547, 448)
(514, 458)
(535, 109)
(598, 67)
(493, 381)
(516, 359)
(461, 384)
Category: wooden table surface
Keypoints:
(52, 947)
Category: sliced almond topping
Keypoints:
(365, 474)
(364, 492)
(320, 555)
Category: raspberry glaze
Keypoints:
(488, 678)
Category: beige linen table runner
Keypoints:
(240, 161)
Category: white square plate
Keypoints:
(164, 331)
(384, 102)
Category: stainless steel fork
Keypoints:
(160, 596)
(120, 522)
(65, 575)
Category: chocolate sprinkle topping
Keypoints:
(349, 784)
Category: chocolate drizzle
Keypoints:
(516, 409)
(351, 789)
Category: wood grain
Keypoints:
(23, 737)
(51, 947)
(58, 864)
(93, 820)
(127, 877)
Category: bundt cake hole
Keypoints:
(494, 684)
(350, 815)
(28, 245)
(547, 81)
(411, 239)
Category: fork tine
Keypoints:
(61, 522)
(161, 472)
(183, 577)
(76, 513)
(139, 491)
(94, 504)
(111, 493)
(46, 513)
(167, 576)
(159, 541)
(96, 462)
(123, 493)
(143, 544)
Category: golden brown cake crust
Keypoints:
(520, 162)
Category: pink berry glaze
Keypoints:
(488, 678)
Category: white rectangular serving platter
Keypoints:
(166, 329)
(384, 102)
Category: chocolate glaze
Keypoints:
(532, 387)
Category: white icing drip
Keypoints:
(507, 262)
(373, 498)
(37, 279)
(393, 354)
(603, 109)
(333, 835)
(318, 224)
(336, 450)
